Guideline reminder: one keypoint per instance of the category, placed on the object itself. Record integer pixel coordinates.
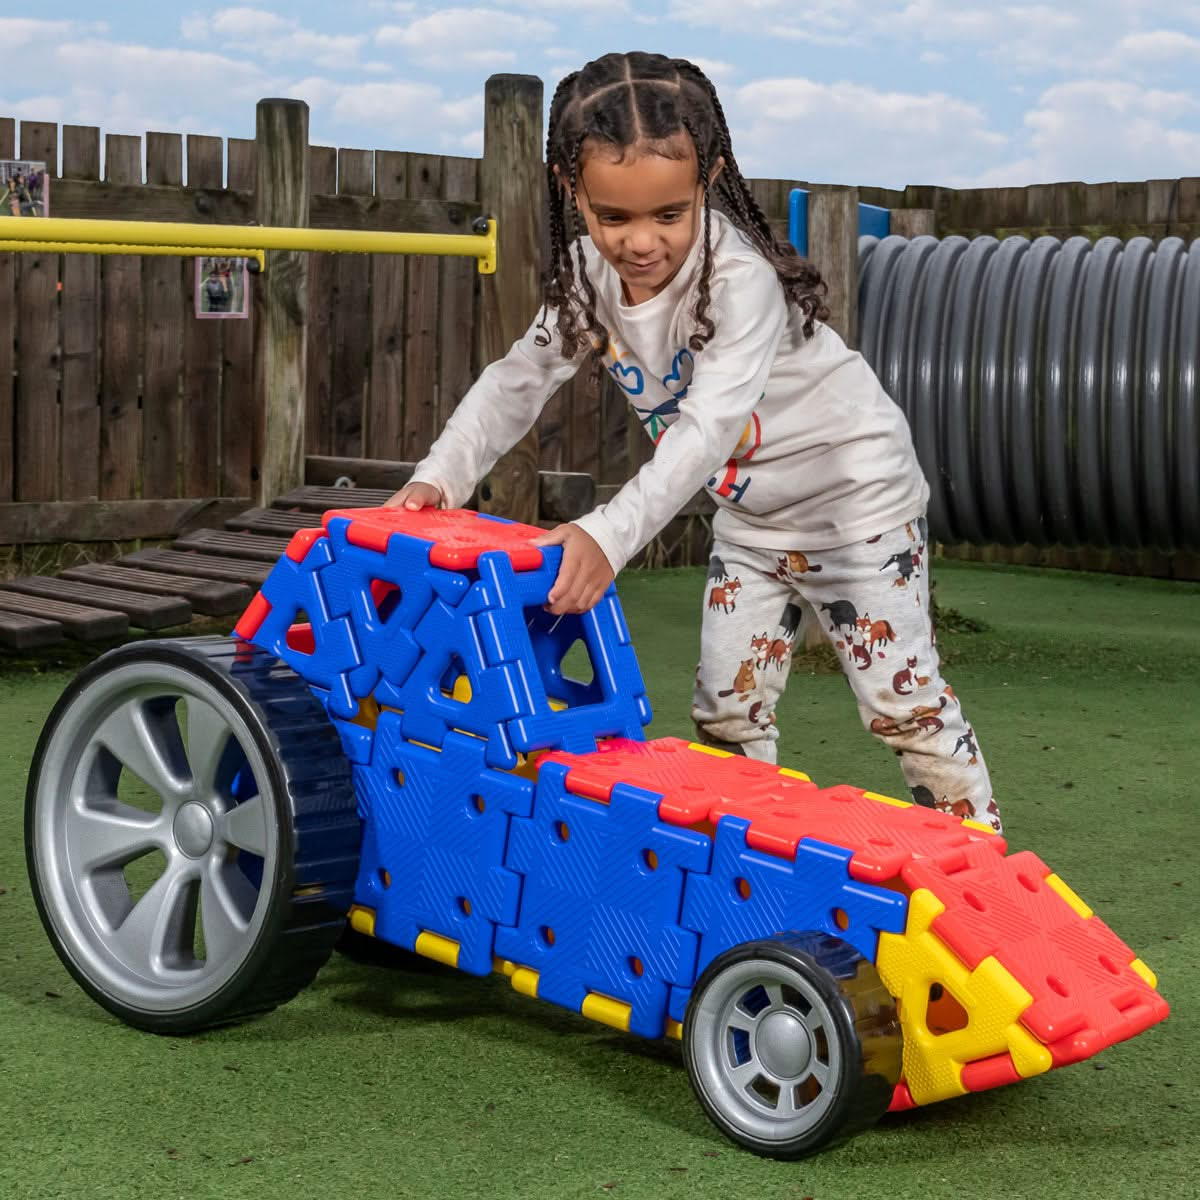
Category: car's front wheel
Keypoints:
(792, 1043)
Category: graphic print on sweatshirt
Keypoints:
(733, 484)
(657, 408)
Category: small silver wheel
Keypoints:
(792, 1043)
(191, 832)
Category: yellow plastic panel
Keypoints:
(440, 949)
(1144, 971)
(709, 750)
(362, 920)
(1053, 881)
(674, 1030)
(525, 981)
(606, 1010)
(795, 774)
(887, 800)
(909, 964)
(978, 825)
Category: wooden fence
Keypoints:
(126, 416)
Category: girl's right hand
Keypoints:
(415, 496)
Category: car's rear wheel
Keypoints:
(792, 1044)
(191, 832)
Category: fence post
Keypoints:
(833, 249)
(511, 180)
(281, 300)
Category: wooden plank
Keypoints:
(320, 499)
(78, 620)
(37, 411)
(165, 286)
(281, 198)
(511, 179)
(457, 341)
(914, 222)
(833, 248)
(273, 521)
(146, 612)
(211, 597)
(109, 200)
(351, 316)
(387, 397)
(318, 418)
(238, 408)
(8, 337)
(79, 315)
(109, 520)
(19, 632)
(203, 566)
(324, 471)
(421, 325)
(233, 545)
(121, 298)
(201, 433)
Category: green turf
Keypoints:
(381, 1083)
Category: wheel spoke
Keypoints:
(158, 934)
(774, 990)
(227, 901)
(245, 826)
(146, 743)
(111, 836)
(742, 1077)
(740, 1019)
(207, 736)
(820, 1072)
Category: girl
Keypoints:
(714, 330)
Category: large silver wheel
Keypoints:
(191, 832)
(792, 1043)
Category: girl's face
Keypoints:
(642, 212)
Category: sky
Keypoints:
(867, 92)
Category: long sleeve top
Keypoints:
(794, 437)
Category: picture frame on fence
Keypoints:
(222, 289)
(24, 188)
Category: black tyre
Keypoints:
(792, 1044)
(191, 832)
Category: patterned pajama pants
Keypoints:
(871, 601)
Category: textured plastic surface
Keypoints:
(602, 899)
(1085, 993)
(700, 787)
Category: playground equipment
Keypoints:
(60, 235)
(400, 735)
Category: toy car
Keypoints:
(400, 736)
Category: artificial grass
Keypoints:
(377, 1082)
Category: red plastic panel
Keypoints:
(301, 543)
(1085, 995)
(902, 1099)
(457, 536)
(699, 788)
(253, 617)
(991, 1072)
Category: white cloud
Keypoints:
(455, 37)
(1160, 47)
(847, 133)
(819, 23)
(18, 32)
(1080, 130)
(273, 37)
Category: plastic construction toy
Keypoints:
(400, 737)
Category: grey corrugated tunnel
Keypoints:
(1051, 386)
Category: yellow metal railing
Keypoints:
(62, 235)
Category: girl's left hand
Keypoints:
(585, 572)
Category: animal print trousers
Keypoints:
(871, 601)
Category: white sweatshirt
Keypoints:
(794, 438)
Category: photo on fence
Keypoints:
(222, 288)
(24, 188)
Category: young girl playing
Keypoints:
(714, 330)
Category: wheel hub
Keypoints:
(194, 830)
(783, 1045)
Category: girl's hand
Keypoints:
(415, 496)
(584, 575)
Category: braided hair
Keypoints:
(643, 100)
